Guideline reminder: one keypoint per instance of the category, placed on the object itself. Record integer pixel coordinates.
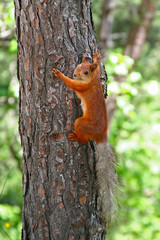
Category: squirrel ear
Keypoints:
(84, 57)
(93, 66)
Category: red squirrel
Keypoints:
(93, 126)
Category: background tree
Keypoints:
(133, 47)
(105, 32)
(59, 198)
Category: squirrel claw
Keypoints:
(72, 137)
(55, 72)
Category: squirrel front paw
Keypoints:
(56, 72)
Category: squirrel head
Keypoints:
(84, 71)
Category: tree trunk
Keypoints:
(59, 196)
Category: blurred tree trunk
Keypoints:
(136, 39)
(59, 198)
(140, 29)
(105, 32)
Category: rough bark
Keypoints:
(59, 197)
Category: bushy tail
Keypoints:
(107, 179)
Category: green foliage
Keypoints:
(10, 222)
(13, 46)
(10, 150)
(135, 132)
(118, 64)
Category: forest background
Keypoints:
(134, 104)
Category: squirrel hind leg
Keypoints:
(74, 137)
(84, 129)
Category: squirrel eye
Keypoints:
(86, 72)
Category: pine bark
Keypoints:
(59, 195)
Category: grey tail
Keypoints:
(107, 179)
